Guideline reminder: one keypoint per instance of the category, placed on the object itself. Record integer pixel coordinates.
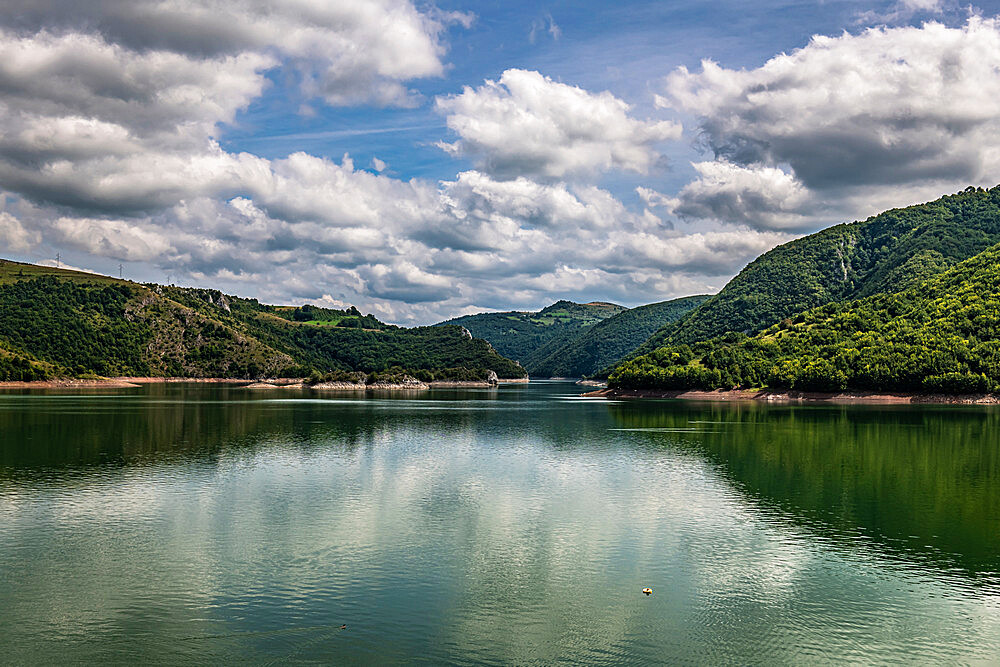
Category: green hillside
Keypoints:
(889, 252)
(64, 323)
(517, 335)
(608, 341)
(937, 336)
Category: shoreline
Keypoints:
(126, 382)
(776, 396)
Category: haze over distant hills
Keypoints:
(607, 342)
(570, 339)
(519, 335)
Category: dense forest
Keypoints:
(59, 323)
(937, 336)
(889, 252)
(607, 342)
(521, 335)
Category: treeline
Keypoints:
(397, 374)
(938, 337)
(373, 348)
(605, 343)
(349, 318)
(889, 252)
(530, 336)
(16, 368)
(79, 327)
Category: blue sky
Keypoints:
(621, 47)
(502, 155)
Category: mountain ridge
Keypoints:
(887, 252)
(605, 343)
(519, 334)
(56, 322)
(937, 336)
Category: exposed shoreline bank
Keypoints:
(775, 396)
(284, 383)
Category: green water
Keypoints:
(208, 525)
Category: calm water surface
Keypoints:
(197, 524)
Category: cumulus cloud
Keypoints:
(111, 238)
(112, 113)
(434, 251)
(14, 236)
(346, 52)
(96, 117)
(757, 195)
(526, 124)
(844, 117)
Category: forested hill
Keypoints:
(608, 341)
(939, 336)
(519, 335)
(889, 252)
(57, 323)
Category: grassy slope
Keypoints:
(518, 335)
(886, 253)
(55, 322)
(937, 336)
(608, 341)
(12, 272)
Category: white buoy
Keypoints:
(647, 591)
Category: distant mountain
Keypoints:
(939, 336)
(519, 335)
(889, 252)
(607, 342)
(55, 322)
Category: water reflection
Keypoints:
(193, 524)
(924, 482)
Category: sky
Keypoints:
(428, 160)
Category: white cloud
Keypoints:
(844, 119)
(546, 24)
(526, 124)
(111, 149)
(345, 52)
(934, 6)
(63, 265)
(13, 235)
(78, 78)
(412, 251)
(118, 239)
(906, 10)
(91, 124)
(759, 196)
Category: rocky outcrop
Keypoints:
(399, 382)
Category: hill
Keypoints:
(938, 336)
(889, 252)
(607, 342)
(56, 323)
(518, 335)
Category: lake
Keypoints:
(176, 524)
